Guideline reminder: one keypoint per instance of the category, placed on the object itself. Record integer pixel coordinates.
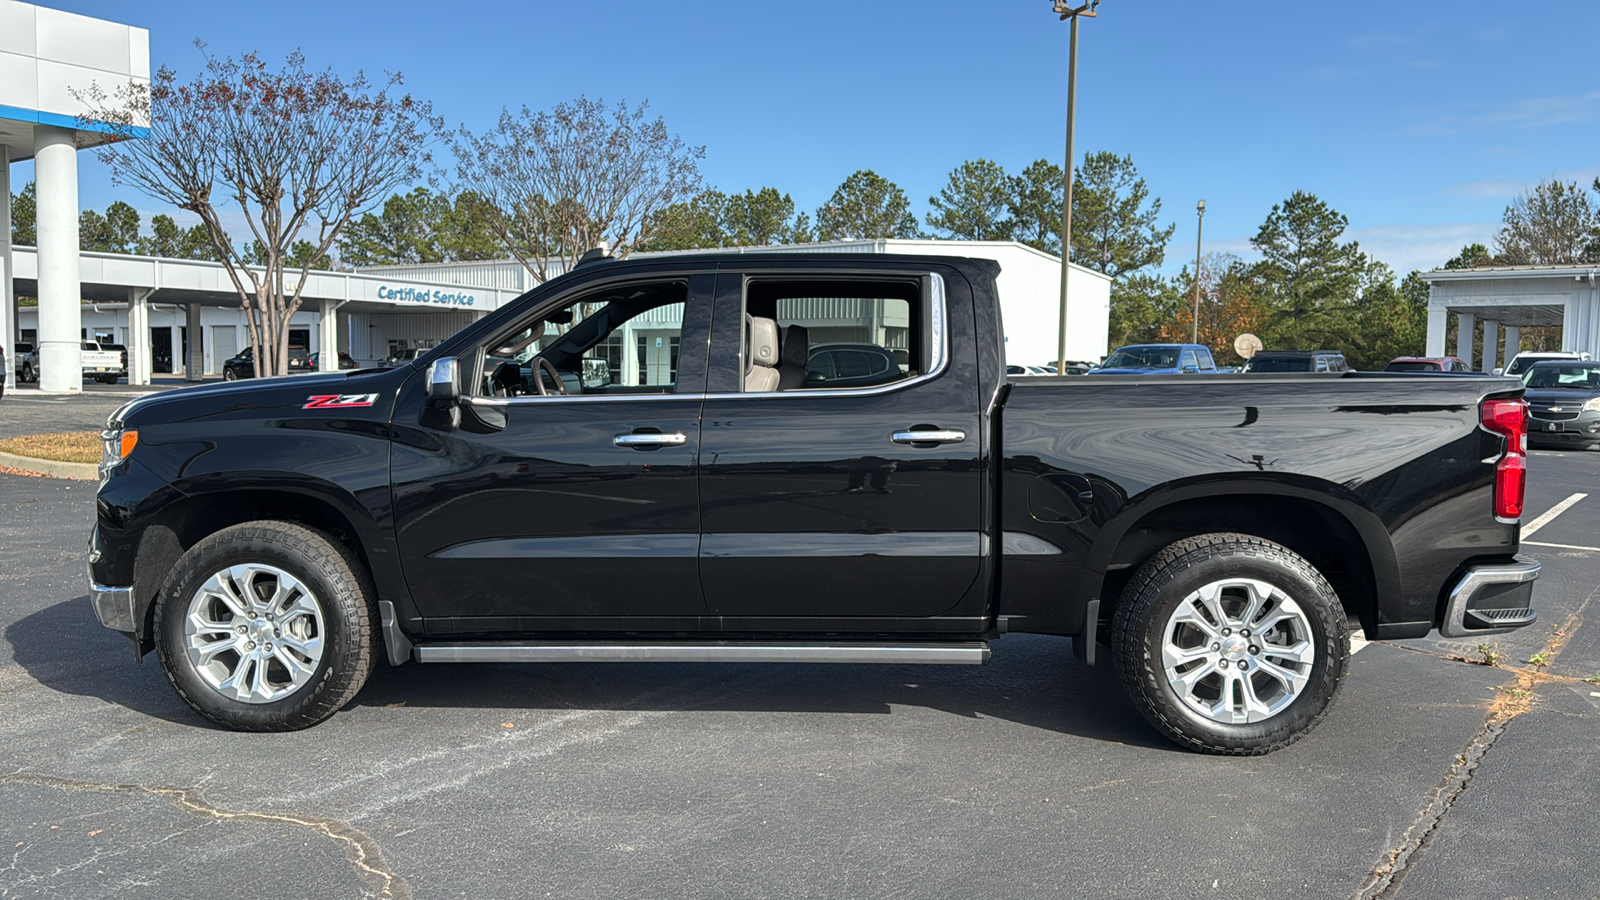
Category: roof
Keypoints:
(1297, 353)
(1585, 271)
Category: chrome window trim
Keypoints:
(938, 316)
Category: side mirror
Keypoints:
(596, 372)
(1499, 371)
(1190, 370)
(444, 385)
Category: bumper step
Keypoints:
(1500, 618)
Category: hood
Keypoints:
(1560, 396)
(276, 391)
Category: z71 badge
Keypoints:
(339, 401)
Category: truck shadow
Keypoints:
(1031, 680)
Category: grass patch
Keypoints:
(67, 446)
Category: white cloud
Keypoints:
(1510, 187)
(1423, 247)
(1531, 112)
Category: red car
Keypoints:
(1427, 364)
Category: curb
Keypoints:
(75, 471)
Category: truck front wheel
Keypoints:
(1231, 644)
(266, 626)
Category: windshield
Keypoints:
(1581, 377)
(1142, 358)
(1523, 363)
(1279, 364)
(1412, 367)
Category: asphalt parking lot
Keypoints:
(1030, 777)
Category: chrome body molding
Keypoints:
(954, 653)
(113, 606)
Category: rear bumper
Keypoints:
(1491, 599)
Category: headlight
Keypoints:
(115, 445)
(1592, 405)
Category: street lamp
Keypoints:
(1199, 230)
(1067, 11)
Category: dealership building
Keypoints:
(1507, 299)
(184, 317)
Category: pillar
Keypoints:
(60, 293)
(1436, 327)
(194, 363)
(328, 337)
(1491, 344)
(8, 299)
(1464, 329)
(1513, 342)
(139, 351)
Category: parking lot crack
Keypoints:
(1512, 700)
(363, 853)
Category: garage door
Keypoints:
(224, 345)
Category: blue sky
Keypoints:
(1418, 120)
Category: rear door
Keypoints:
(842, 508)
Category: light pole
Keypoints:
(1199, 231)
(1068, 11)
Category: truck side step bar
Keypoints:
(970, 653)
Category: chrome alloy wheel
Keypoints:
(254, 633)
(1238, 651)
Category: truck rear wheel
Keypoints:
(1231, 644)
(266, 626)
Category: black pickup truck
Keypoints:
(633, 462)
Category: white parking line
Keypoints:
(1561, 546)
(1547, 518)
(1356, 643)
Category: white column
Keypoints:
(8, 299)
(194, 363)
(60, 293)
(139, 358)
(1436, 325)
(328, 337)
(1513, 342)
(1491, 344)
(1464, 329)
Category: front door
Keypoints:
(570, 502)
(846, 492)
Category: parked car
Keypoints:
(1158, 359)
(244, 365)
(1427, 364)
(3, 373)
(1520, 363)
(1564, 403)
(272, 540)
(851, 365)
(26, 362)
(346, 361)
(404, 356)
(1328, 361)
(104, 363)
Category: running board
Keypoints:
(971, 653)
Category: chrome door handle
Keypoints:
(650, 439)
(939, 436)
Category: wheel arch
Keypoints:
(1325, 523)
(185, 522)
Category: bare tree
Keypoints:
(298, 152)
(561, 181)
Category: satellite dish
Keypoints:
(1247, 345)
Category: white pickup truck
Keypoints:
(105, 363)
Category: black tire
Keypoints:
(1145, 614)
(28, 374)
(342, 590)
(228, 374)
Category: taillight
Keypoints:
(1509, 418)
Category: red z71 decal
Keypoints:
(339, 401)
